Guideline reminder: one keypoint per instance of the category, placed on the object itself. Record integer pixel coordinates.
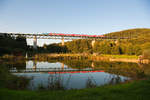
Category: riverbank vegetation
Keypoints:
(136, 90)
(7, 80)
(92, 57)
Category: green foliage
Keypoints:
(12, 45)
(55, 48)
(78, 64)
(138, 42)
(102, 47)
(131, 33)
(52, 48)
(10, 81)
(79, 46)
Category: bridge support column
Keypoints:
(93, 42)
(35, 42)
(62, 42)
(62, 65)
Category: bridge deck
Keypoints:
(59, 36)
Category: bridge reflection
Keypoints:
(55, 70)
(34, 67)
(75, 72)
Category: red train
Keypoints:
(74, 35)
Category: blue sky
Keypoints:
(73, 16)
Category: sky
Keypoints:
(73, 16)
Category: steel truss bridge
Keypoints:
(60, 36)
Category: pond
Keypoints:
(74, 74)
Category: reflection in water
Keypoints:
(62, 65)
(92, 65)
(77, 74)
(55, 82)
(34, 65)
(76, 80)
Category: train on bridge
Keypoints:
(52, 35)
(72, 35)
(61, 36)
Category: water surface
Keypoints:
(75, 74)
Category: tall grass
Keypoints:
(91, 83)
(10, 81)
(55, 82)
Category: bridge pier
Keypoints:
(35, 42)
(62, 65)
(62, 42)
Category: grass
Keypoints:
(137, 90)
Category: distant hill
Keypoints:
(138, 44)
(133, 33)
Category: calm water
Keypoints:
(72, 74)
(76, 74)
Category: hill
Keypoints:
(138, 43)
(133, 33)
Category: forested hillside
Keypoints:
(133, 33)
(138, 44)
(12, 45)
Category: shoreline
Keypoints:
(109, 58)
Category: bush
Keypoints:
(11, 81)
